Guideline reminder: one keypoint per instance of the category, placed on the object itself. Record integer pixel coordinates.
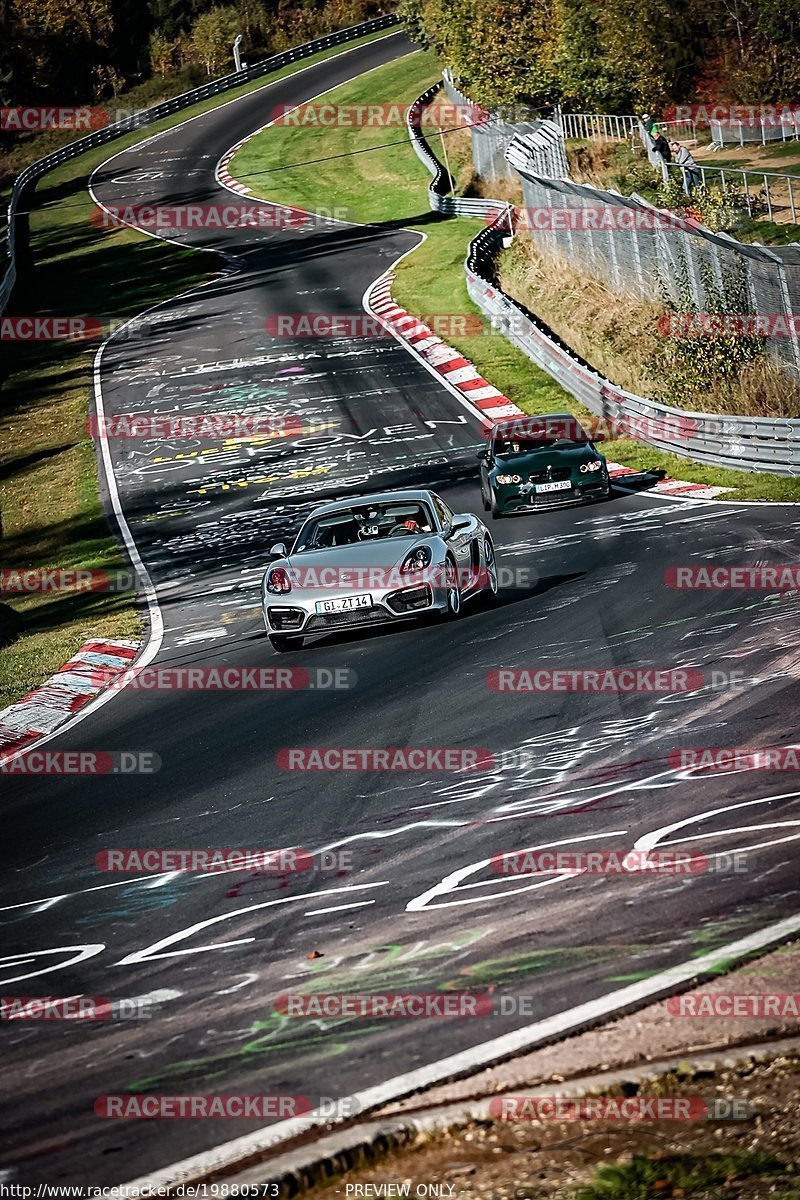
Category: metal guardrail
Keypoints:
(785, 127)
(156, 112)
(777, 188)
(541, 151)
(442, 183)
(586, 126)
(755, 444)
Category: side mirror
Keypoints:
(278, 551)
(460, 522)
(482, 453)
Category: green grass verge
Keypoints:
(18, 155)
(51, 513)
(382, 182)
(687, 1175)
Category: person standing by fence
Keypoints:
(691, 171)
(661, 144)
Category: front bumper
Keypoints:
(524, 499)
(296, 612)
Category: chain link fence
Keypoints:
(756, 444)
(491, 135)
(637, 249)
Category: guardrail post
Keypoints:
(780, 268)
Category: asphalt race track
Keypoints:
(391, 914)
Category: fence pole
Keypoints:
(780, 268)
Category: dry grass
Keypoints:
(763, 389)
(497, 189)
(619, 337)
(590, 162)
(458, 147)
(615, 334)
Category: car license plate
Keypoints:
(557, 485)
(345, 604)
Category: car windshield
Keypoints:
(365, 523)
(528, 443)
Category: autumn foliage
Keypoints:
(601, 56)
(66, 52)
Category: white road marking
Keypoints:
(450, 882)
(155, 634)
(316, 912)
(78, 954)
(151, 953)
(226, 1157)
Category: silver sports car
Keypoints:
(375, 561)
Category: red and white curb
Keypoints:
(223, 174)
(60, 697)
(488, 403)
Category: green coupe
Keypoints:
(533, 463)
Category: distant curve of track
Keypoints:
(203, 517)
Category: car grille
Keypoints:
(355, 616)
(285, 618)
(545, 477)
(410, 599)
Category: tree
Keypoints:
(161, 53)
(212, 38)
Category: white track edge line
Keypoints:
(226, 1157)
(155, 635)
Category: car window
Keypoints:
(364, 523)
(526, 445)
(443, 512)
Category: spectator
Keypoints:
(650, 125)
(691, 171)
(661, 144)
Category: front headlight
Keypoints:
(591, 466)
(509, 479)
(417, 560)
(278, 582)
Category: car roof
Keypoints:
(511, 422)
(373, 498)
